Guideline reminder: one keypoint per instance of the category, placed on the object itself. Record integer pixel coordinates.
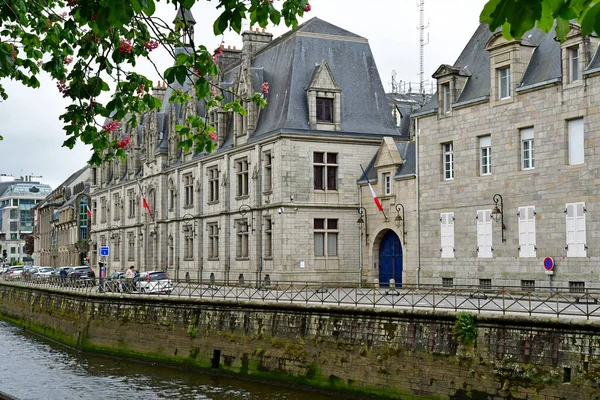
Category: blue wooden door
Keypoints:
(390, 259)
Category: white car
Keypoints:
(44, 273)
(153, 282)
(15, 272)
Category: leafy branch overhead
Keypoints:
(85, 44)
(516, 17)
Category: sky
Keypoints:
(29, 119)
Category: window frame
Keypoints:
(268, 172)
(527, 136)
(242, 187)
(573, 60)
(188, 190)
(213, 241)
(485, 155)
(328, 234)
(504, 82)
(446, 98)
(321, 106)
(242, 247)
(387, 183)
(448, 160)
(325, 171)
(213, 184)
(268, 242)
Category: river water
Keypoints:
(34, 368)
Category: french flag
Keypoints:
(89, 212)
(375, 199)
(144, 202)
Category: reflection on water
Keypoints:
(33, 368)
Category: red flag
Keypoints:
(375, 199)
(144, 202)
(89, 212)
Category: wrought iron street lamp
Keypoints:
(243, 210)
(401, 221)
(362, 221)
(189, 225)
(498, 213)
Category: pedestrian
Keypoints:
(187, 277)
(129, 277)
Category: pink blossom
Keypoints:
(307, 7)
(111, 127)
(68, 60)
(122, 144)
(264, 88)
(151, 45)
(62, 86)
(212, 135)
(125, 46)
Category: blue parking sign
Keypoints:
(103, 251)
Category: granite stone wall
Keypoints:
(387, 353)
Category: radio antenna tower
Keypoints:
(422, 44)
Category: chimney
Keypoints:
(159, 90)
(229, 57)
(254, 41)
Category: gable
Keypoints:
(388, 154)
(322, 78)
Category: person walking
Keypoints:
(129, 278)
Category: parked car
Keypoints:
(4, 268)
(28, 272)
(43, 273)
(82, 275)
(15, 272)
(153, 282)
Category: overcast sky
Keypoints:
(33, 133)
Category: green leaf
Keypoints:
(563, 26)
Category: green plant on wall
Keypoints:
(465, 328)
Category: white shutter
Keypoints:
(571, 231)
(527, 240)
(484, 233)
(447, 234)
(580, 230)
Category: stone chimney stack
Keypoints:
(159, 90)
(254, 41)
(229, 57)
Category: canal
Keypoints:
(34, 368)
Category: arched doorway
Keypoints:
(390, 259)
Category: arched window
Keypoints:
(84, 215)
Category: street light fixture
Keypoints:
(189, 227)
(362, 221)
(400, 220)
(498, 213)
(243, 210)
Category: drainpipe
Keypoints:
(360, 252)
(259, 243)
(228, 211)
(417, 197)
(200, 222)
(177, 224)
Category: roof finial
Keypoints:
(185, 15)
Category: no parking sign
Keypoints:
(549, 265)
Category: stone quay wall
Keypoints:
(385, 353)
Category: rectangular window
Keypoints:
(576, 231)
(527, 285)
(504, 83)
(14, 226)
(188, 190)
(485, 145)
(576, 287)
(116, 250)
(14, 236)
(213, 241)
(447, 234)
(94, 176)
(116, 207)
(242, 238)
(447, 282)
(325, 168)
(268, 173)
(485, 283)
(94, 210)
(188, 247)
(103, 209)
(324, 109)
(268, 244)
(576, 141)
(527, 149)
(387, 184)
(213, 184)
(241, 168)
(132, 201)
(130, 246)
(448, 160)
(484, 234)
(574, 71)
(13, 250)
(527, 243)
(446, 99)
(326, 237)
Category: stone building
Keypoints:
(278, 198)
(62, 224)
(17, 197)
(507, 155)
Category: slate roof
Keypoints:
(544, 66)
(288, 63)
(406, 150)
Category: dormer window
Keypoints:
(504, 83)
(446, 98)
(324, 109)
(574, 70)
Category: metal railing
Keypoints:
(506, 300)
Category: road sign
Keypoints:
(104, 251)
(548, 264)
